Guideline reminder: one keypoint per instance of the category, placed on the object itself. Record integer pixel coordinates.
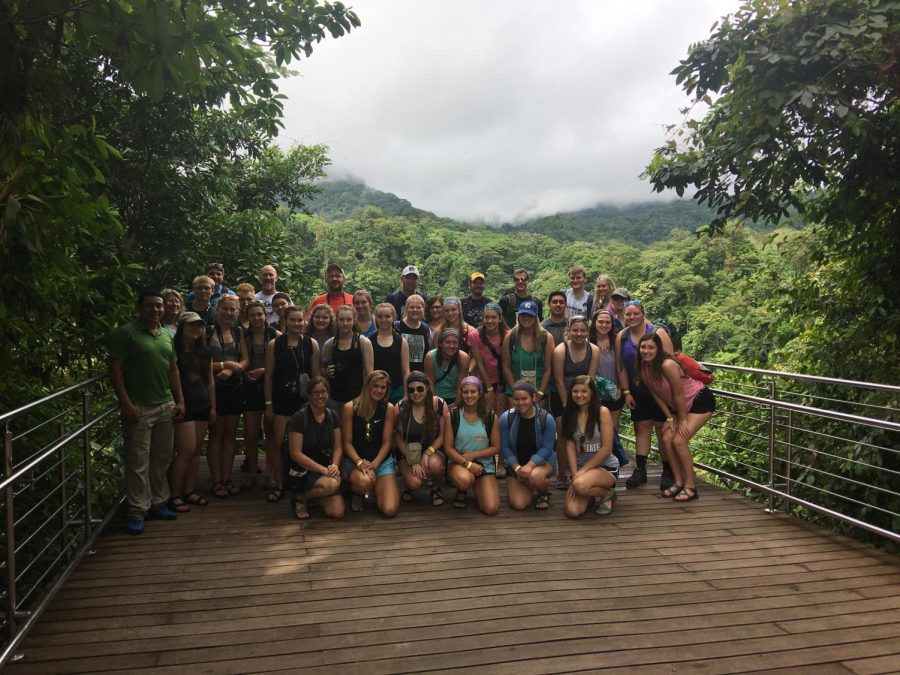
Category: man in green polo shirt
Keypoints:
(145, 378)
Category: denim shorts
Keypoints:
(386, 468)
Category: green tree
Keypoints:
(803, 119)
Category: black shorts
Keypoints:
(646, 409)
(556, 404)
(305, 483)
(201, 415)
(254, 396)
(229, 399)
(704, 402)
(612, 406)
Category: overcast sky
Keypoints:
(498, 110)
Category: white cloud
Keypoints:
(498, 110)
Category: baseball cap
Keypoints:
(333, 266)
(528, 307)
(621, 293)
(190, 317)
(476, 275)
(410, 269)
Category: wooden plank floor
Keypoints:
(714, 586)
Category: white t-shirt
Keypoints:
(577, 306)
(271, 317)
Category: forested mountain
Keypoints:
(641, 223)
(638, 223)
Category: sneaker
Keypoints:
(638, 477)
(562, 482)
(667, 479)
(136, 527)
(162, 513)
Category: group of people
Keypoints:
(348, 396)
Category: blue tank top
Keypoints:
(630, 357)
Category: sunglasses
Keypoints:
(630, 303)
(415, 390)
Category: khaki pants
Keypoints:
(148, 453)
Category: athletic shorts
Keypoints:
(306, 482)
(704, 402)
(615, 405)
(229, 399)
(556, 404)
(254, 396)
(195, 416)
(646, 409)
(386, 468)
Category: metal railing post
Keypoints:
(789, 452)
(63, 493)
(772, 425)
(86, 463)
(8, 499)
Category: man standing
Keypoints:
(145, 378)
(409, 283)
(510, 303)
(578, 301)
(268, 277)
(473, 305)
(555, 324)
(335, 296)
(216, 272)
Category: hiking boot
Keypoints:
(667, 479)
(637, 478)
(136, 527)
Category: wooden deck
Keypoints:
(714, 586)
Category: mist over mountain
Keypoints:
(640, 223)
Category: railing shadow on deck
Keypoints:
(816, 446)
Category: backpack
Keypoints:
(488, 421)
(542, 419)
(693, 369)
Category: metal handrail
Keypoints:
(48, 491)
(818, 379)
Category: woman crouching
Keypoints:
(367, 429)
(420, 438)
(314, 454)
(587, 431)
(528, 444)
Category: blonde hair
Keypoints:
(363, 405)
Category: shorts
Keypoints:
(229, 399)
(201, 415)
(254, 396)
(704, 402)
(399, 456)
(646, 409)
(306, 482)
(556, 404)
(613, 406)
(386, 468)
(286, 406)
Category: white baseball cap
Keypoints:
(410, 269)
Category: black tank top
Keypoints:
(368, 435)
(388, 359)
(289, 363)
(348, 371)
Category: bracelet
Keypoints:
(539, 393)
(358, 462)
(669, 419)
(430, 450)
(268, 402)
(626, 392)
(468, 464)
(516, 468)
(221, 365)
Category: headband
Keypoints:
(494, 307)
(471, 379)
(417, 377)
(452, 301)
(447, 332)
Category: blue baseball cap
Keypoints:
(528, 307)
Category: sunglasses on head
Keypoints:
(633, 302)
(415, 390)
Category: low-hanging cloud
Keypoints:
(500, 110)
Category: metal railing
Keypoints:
(61, 468)
(815, 446)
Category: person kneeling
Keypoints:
(367, 426)
(314, 453)
(587, 430)
(527, 442)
